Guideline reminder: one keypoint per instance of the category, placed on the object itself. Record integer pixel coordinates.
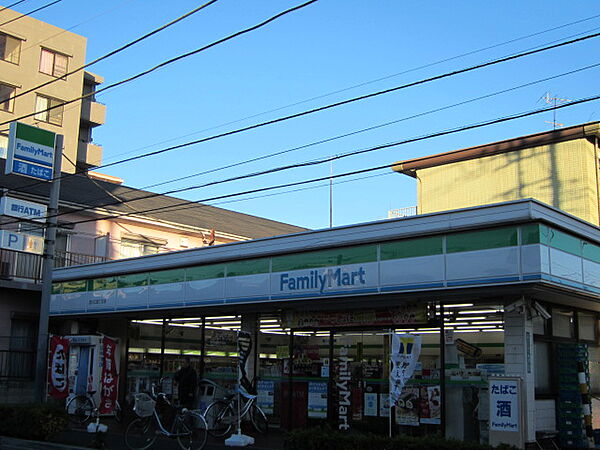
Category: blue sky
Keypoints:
(328, 46)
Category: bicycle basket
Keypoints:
(144, 405)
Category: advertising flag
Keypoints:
(57, 369)
(110, 378)
(406, 349)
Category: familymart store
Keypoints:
(508, 291)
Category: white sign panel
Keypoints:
(22, 209)
(20, 242)
(504, 405)
(30, 151)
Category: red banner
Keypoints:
(57, 368)
(110, 378)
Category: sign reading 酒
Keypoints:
(30, 151)
(15, 207)
(504, 405)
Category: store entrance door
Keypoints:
(358, 383)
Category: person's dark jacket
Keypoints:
(186, 380)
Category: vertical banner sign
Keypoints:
(244, 348)
(504, 405)
(30, 151)
(406, 349)
(57, 370)
(110, 378)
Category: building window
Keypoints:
(3, 145)
(49, 110)
(53, 63)
(563, 323)
(6, 97)
(131, 248)
(10, 48)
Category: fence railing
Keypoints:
(28, 266)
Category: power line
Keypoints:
(374, 127)
(327, 159)
(166, 63)
(365, 83)
(345, 174)
(114, 52)
(11, 5)
(325, 107)
(351, 100)
(14, 19)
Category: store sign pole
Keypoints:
(48, 265)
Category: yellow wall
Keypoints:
(26, 75)
(562, 175)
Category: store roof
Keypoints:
(81, 191)
(411, 166)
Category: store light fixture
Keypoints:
(482, 311)
(455, 305)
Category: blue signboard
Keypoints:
(32, 170)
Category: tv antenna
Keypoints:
(551, 100)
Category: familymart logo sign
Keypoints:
(323, 280)
(30, 151)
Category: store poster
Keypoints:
(317, 400)
(404, 357)
(110, 378)
(407, 407)
(430, 403)
(266, 395)
(384, 405)
(370, 404)
(57, 368)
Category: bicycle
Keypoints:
(188, 427)
(222, 415)
(82, 407)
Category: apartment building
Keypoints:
(558, 167)
(33, 53)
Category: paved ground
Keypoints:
(77, 439)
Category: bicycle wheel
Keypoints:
(259, 419)
(79, 409)
(140, 433)
(194, 425)
(219, 418)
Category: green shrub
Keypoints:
(324, 438)
(35, 422)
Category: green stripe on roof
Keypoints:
(57, 288)
(205, 272)
(481, 240)
(167, 276)
(104, 284)
(34, 134)
(591, 252)
(530, 234)
(248, 267)
(411, 248)
(325, 258)
(70, 287)
(565, 242)
(133, 280)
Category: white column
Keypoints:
(519, 360)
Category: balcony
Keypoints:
(28, 267)
(93, 113)
(89, 154)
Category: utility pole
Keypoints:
(47, 266)
(331, 194)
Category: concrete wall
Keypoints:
(35, 35)
(562, 175)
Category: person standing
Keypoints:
(187, 380)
